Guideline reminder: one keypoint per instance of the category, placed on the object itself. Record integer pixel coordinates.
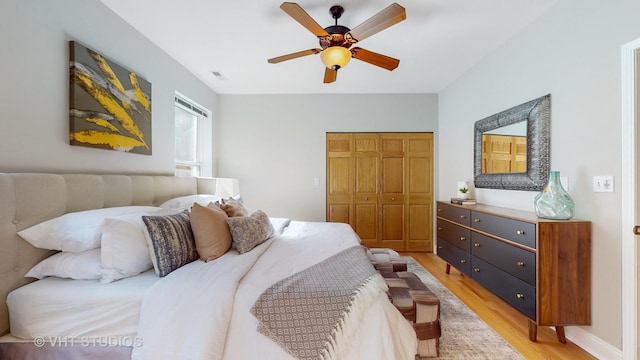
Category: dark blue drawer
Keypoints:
(517, 231)
(456, 214)
(454, 234)
(516, 261)
(509, 288)
(454, 256)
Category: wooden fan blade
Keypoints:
(293, 55)
(391, 15)
(298, 14)
(376, 59)
(330, 75)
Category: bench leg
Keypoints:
(448, 269)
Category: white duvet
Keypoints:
(202, 310)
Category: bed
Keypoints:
(219, 309)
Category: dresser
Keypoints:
(540, 267)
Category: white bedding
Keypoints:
(78, 308)
(383, 334)
(195, 303)
(202, 310)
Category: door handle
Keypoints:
(636, 229)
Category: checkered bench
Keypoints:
(419, 306)
(386, 260)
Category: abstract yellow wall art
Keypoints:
(109, 106)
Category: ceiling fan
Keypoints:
(336, 40)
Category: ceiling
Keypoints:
(437, 43)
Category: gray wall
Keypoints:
(573, 53)
(34, 87)
(275, 144)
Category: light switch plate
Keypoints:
(603, 183)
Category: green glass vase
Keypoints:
(554, 202)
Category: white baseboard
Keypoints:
(592, 344)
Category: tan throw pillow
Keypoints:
(211, 231)
(234, 207)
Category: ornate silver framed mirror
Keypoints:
(503, 166)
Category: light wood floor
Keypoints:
(505, 320)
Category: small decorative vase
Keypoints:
(464, 196)
(554, 202)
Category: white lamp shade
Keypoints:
(227, 187)
(335, 57)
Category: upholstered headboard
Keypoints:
(27, 199)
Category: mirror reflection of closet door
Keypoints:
(503, 154)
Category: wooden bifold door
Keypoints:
(382, 185)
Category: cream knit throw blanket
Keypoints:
(314, 314)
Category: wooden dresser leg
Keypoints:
(448, 269)
(533, 331)
(560, 334)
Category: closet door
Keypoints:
(419, 193)
(339, 178)
(381, 184)
(366, 188)
(392, 214)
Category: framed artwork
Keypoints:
(109, 105)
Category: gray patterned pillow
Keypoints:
(248, 232)
(171, 241)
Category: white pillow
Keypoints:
(80, 266)
(279, 224)
(124, 250)
(187, 201)
(75, 232)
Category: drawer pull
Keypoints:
(439, 229)
(520, 232)
(476, 270)
(462, 238)
(463, 261)
(463, 216)
(439, 247)
(520, 296)
(520, 263)
(476, 220)
(393, 199)
(476, 244)
(439, 210)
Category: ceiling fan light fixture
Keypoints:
(335, 57)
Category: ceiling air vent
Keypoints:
(218, 75)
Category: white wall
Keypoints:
(34, 86)
(573, 53)
(275, 144)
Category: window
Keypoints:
(192, 138)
